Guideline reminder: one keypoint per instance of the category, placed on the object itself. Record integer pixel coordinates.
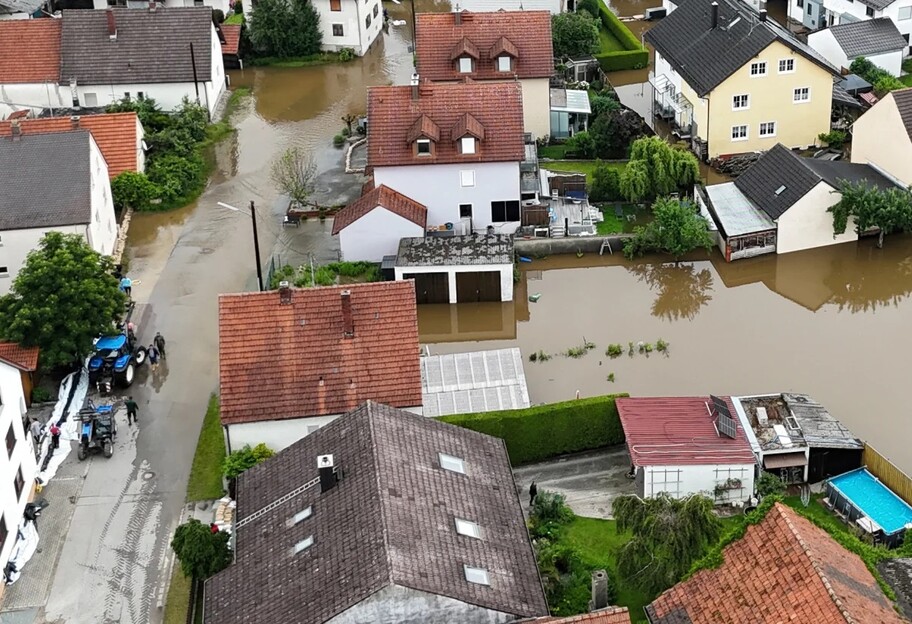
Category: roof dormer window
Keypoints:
(423, 135)
(465, 65)
(467, 133)
(464, 54)
(503, 53)
(423, 147)
(504, 63)
(467, 145)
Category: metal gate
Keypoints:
(430, 287)
(475, 287)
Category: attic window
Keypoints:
(302, 515)
(503, 63)
(479, 576)
(304, 544)
(467, 145)
(468, 528)
(780, 190)
(451, 463)
(424, 147)
(465, 65)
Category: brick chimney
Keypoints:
(284, 293)
(457, 15)
(16, 129)
(112, 25)
(326, 468)
(74, 121)
(599, 590)
(762, 15)
(348, 324)
(416, 80)
(714, 14)
(152, 6)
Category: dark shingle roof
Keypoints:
(389, 521)
(868, 37)
(151, 46)
(903, 101)
(706, 56)
(45, 181)
(781, 177)
(877, 5)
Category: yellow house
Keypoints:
(732, 81)
(882, 137)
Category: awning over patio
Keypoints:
(785, 460)
(570, 101)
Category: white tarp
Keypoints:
(69, 430)
(25, 547)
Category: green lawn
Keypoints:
(608, 42)
(235, 18)
(553, 151)
(906, 80)
(580, 166)
(178, 600)
(206, 474)
(615, 225)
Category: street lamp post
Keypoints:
(256, 240)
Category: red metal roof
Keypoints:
(23, 358)
(674, 431)
(609, 615)
(29, 51)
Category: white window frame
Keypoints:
(465, 64)
(421, 142)
(4, 271)
(505, 59)
(787, 62)
(467, 145)
(302, 515)
(467, 177)
(468, 528)
(758, 65)
(746, 97)
(740, 138)
(908, 13)
(341, 29)
(90, 104)
(304, 544)
(768, 135)
(478, 576)
(798, 91)
(451, 463)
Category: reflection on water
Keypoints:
(681, 289)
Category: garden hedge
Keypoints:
(633, 56)
(543, 431)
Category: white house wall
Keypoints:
(375, 235)
(33, 96)
(167, 95)
(439, 188)
(846, 11)
(505, 270)
(402, 605)
(221, 5)
(682, 481)
(140, 152)
(216, 86)
(353, 16)
(536, 96)
(102, 231)
(869, 147)
(807, 224)
(663, 68)
(890, 61)
(12, 408)
(16, 244)
(825, 43)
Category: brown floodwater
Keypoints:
(832, 322)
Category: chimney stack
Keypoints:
(284, 293)
(112, 25)
(348, 324)
(416, 79)
(152, 6)
(714, 12)
(599, 590)
(457, 15)
(327, 473)
(16, 129)
(74, 120)
(762, 15)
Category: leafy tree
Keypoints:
(62, 299)
(634, 182)
(682, 291)
(294, 172)
(882, 80)
(888, 210)
(678, 229)
(605, 184)
(201, 552)
(582, 145)
(614, 130)
(574, 35)
(600, 104)
(284, 28)
(175, 176)
(769, 484)
(247, 457)
(589, 6)
(133, 190)
(148, 111)
(668, 535)
(834, 138)
(658, 169)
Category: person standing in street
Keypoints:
(126, 285)
(159, 342)
(533, 492)
(55, 437)
(132, 408)
(35, 429)
(153, 354)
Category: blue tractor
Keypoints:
(115, 361)
(97, 429)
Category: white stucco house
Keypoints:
(294, 359)
(171, 53)
(30, 66)
(454, 148)
(780, 203)
(503, 46)
(222, 5)
(370, 227)
(688, 445)
(52, 183)
(882, 137)
(816, 14)
(877, 40)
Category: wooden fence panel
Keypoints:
(888, 473)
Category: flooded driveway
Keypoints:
(832, 322)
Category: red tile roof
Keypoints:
(273, 356)
(117, 135)
(385, 197)
(525, 35)
(23, 358)
(232, 33)
(610, 615)
(29, 51)
(676, 431)
(392, 113)
(784, 569)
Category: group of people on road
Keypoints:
(156, 350)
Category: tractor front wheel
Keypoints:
(125, 379)
(82, 453)
(139, 356)
(108, 448)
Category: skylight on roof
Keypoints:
(468, 528)
(780, 190)
(451, 463)
(479, 576)
(304, 514)
(304, 544)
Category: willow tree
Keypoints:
(678, 228)
(888, 210)
(668, 535)
(656, 168)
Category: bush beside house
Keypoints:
(633, 56)
(543, 431)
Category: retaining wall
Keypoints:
(535, 247)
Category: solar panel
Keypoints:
(727, 427)
(721, 406)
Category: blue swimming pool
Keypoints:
(873, 499)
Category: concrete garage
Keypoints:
(458, 269)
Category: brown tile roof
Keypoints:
(524, 35)
(392, 113)
(425, 128)
(467, 124)
(784, 569)
(272, 356)
(232, 33)
(385, 197)
(29, 51)
(115, 133)
(23, 358)
(609, 615)
(389, 521)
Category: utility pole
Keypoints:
(256, 246)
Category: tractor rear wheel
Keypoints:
(125, 379)
(82, 452)
(139, 356)
(108, 448)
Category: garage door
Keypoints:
(430, 287)
(475, 287)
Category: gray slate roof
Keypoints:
(781, 177)
(868, 37)
(903, 100)
(388, 521)
(19, 6)
(455, 250)
(818, 427)
(45, 180)
(877, 5)
(151, 46)
(706, 56)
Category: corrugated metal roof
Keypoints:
(677, 431)
(570, 101)
(736, 213)
(481, 381)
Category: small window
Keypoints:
(800, 4)
(467, 177)
(10, 441)
(140, 95)
(467, 145)
(468, 528)
(451, 463)
(739, 133)
(465, 211)
(740, 102)
(905, 13)
(367, 21)
(809, 8)
(758, 69)
(302, 515)
(465, 65)
(304, 544)
(338, 30)
(801, 94)
(1, 241)
(4, 271)
(3, 532)
(90, 99)
(503, 63)
(127, 96)
(376, 10)
(869, 12)
(768, 129)
(335, 5)
(19, 483)
(479, 576)
(424, 146)
(786, 66)
(505, 211)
